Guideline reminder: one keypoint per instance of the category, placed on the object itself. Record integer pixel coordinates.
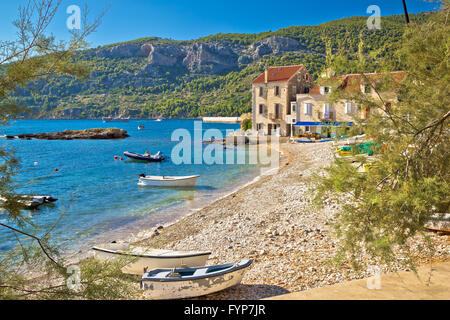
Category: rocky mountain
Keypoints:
(211, 57)
(153, 77)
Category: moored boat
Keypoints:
(158, 157)
(144, 259)
(31, 202)
(168, 181)
(141, 127)
(192, 282)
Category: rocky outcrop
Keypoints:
(210, 57)
(213, 57)
(99, 133)
(165, 55)
(121, 51)
(271, 46)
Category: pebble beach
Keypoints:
(274, 222)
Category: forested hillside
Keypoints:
(154, 77)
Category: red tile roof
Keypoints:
(278, 74)
(352, 82)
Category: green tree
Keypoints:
(32, 57)
(392, 202)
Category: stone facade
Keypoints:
(272, 92)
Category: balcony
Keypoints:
(274, 116)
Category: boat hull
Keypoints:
(188, 181)
(191, 288)
(140, 265)
(138, 157)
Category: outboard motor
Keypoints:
(142, 175)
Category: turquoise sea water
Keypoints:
(98, 194)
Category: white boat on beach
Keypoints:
(168, 181)
(164, 284)
(144, 259)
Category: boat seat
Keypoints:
(200, 272)
(162, 274)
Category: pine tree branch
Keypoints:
(38, 240)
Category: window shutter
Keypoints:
(348, 107)
(307, 108)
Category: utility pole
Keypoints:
(406, 11)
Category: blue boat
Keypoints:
(174, 283)
(304, 141)
(158, 157)
(325, 140)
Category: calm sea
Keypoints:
(98, 194)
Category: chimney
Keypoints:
(266, 75)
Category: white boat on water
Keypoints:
(168, 181)
(144, 259)
(192, 282)
(31, 202)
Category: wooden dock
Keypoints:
(222, 119)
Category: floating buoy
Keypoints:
(56, 170)
(121, 159)
(116, 157)
(35, 163)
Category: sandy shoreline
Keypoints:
(273, 222)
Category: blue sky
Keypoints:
(184, 20)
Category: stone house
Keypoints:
(313, 111)
(272, 94)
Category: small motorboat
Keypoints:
(31, 202)
(145, 259)
(141, 127)
(159, 120)
(158, 157)
(168, 181)
(192, 282)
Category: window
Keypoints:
(294, 91)
(294, 105)
(306, 90)
(277, 110)
(277, 90)
(306, 77)
(307, 129)
(308, 108)
(348, 107)
(325, 90)
(261, 108)
(261, 91)
(326, 108)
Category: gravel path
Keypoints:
(273, 222)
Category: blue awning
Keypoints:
(327, 124)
